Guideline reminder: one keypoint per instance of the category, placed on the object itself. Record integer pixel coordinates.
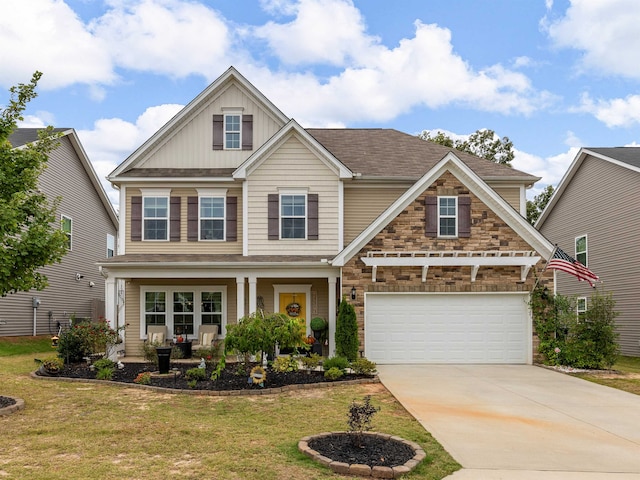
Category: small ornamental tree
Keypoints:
(347, 331)
(30, 238)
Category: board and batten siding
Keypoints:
(293, 166)
(601, 201)
(363, 204)
(65, 296)
(184, 246)
(192, 145)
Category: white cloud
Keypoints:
(323, 31)
(168, 37)
(618, 112)
(106, 155)
(606, 32)
(57, 44)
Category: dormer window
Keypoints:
(233, 130)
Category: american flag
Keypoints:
(561, 261)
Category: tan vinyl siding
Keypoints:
(511, 195)
(293, 166)
(601, 202)
(192, 146)
(184, 246)
(64, 297)
(133, 341)
(363, 204)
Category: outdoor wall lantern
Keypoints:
(353, 293)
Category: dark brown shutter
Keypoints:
(174, 219)
(218, 132)
(464, 217)
(136, 219)
(232, 219)
(192, 219)
(247, 132)
(431, 208)
(312, 216)
(274, 216)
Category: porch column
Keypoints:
(240, 297)
(253, 294)
(332, 316)
(111, 302)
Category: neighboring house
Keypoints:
(87, 216)
(232, 207)
(592, 216)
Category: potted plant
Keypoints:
(50, 367)
(319, 327)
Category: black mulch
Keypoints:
(6, 401)
(373, 451)
(232, 378)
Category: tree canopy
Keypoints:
(30, 236)
(536, 206)
(483, 143)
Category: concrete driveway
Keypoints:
(522, 422)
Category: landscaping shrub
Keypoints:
(359, 419)
(363, 366)
(105, 373)
(333, 373)
(285, 364)
(340, 363)
(196, 374)
(347, 331)
(312, 361)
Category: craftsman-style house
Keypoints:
(233, 207)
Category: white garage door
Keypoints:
(447, 328)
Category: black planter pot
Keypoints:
(164, 359)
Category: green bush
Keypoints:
(363, 366)
(105, 373)
(85, 338)
(312, 361)
(104, 363)
(347, 331)
(285, 364)
(196, 374)
(340, 363)
(333, 373)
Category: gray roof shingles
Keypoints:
(629, 155)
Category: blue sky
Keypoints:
(551, 75)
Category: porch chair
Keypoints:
(157, 334)
(207, 334)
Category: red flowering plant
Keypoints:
(85, 338)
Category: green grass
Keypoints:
(78, 430)
(24, 345)
(628, 380)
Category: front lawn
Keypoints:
(625, 375)
(23, 345)
(84, 430)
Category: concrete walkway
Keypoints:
(521, 422)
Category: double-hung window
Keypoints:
(67, 228)
(581, 250)
(155, 308)
(447, 216)
(581, 306)
(293, 216)
(212, 218)
(111, 245)
(155, 218)
(232, 131)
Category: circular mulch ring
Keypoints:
(10, 405)
(380, 455)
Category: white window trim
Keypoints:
(586, 249)
(197, 308)
(167, 218)
(301, 193)
(62, 217)
(578, 300)
(224, 219)
(224, 129)
(111, 241)
(455, 216)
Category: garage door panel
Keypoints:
(454, 328)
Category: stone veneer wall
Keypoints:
(407, 233)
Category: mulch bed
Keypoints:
(371, 450)
(232, 378)
(6, 401)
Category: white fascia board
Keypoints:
(198, 102)
(291, 128)
(475, 184)
(147, 180)
(185, 270)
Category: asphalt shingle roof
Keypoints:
(22, 136)
(630, 155)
